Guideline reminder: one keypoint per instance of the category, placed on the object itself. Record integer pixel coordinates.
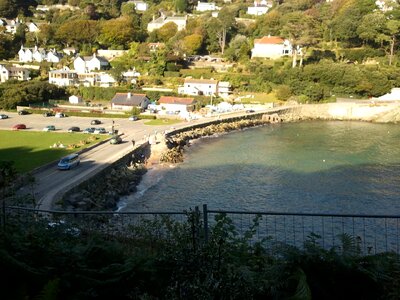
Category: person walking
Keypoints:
(133, 142)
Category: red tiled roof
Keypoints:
(176, 100)
(269, 40)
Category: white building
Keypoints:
(11, 26)
(38, 55)
(260, 8)
(8, 73)
(75, 99)
(271, 47)
(88, 64)
(392, 96)
(206, 6)
(161, 21)
(63, 77)
(176, 105)
(128, 101)
(139, 5)
(208, 87)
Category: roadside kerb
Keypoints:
(54, 162)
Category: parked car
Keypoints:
(49, 128)
(250, 111)
(95, 122)
(116, 139)
(3, 117)
(47, 114)
(19, 126)
(100, 130)
(133, 118)
(23, 112)
(89, 130)
(74, 129)
(60, 115)
(69, 162)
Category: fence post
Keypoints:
(205, 219)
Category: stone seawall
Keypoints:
(103, 190)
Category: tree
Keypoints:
(8, 8)
(371, 27)
(117, 33)
(46, 34)
(77, 32)
(192, 43)
(167, 31)
(239, 48)
(128, 9)
(181, 5)
(393, 27)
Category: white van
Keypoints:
(69, 162)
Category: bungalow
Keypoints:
(271, 47)
(206, 6)
(208, 87)
(176, 104)
(197, 87)
(88, 64)
(7, 73)
(128, 101)
(260, 8)
(161, 21)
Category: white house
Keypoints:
(11, 26)
(75, 99)
(63, 77)
(206, 6)
(88, 64)
(271, 47)
(128, 101)
(197, 87)
(161, 21)
(208, 87)
(176, 104)
(139, 5)
(8, 73)
(38, 55)
(70, 51)
(259, 8)
(32, 27)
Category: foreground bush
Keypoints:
(163, 259)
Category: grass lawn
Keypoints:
(32, 149)
(162, 122)
(258, 98)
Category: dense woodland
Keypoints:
(349, 47)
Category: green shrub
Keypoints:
(172, 74)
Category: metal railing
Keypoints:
(371, 234)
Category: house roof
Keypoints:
(201, 81)
(269, 40)
(176, 100)
(124, 99)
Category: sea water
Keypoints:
(308, 167)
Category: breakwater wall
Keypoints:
(103, 190)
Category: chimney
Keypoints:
(129, 95)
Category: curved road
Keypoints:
(50, 181)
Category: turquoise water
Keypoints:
(311, 167)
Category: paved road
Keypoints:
(49, 182)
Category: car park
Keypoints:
(133, 118)
(47, 114)
(74, 129)
(89, 130)
(100, 130)
(95, 122)
(2, 116)
(19, 126)
(69, 162)
(49, 128)
(116, 139)
(60, 115)
(23, 112)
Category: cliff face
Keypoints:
(371, 112)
